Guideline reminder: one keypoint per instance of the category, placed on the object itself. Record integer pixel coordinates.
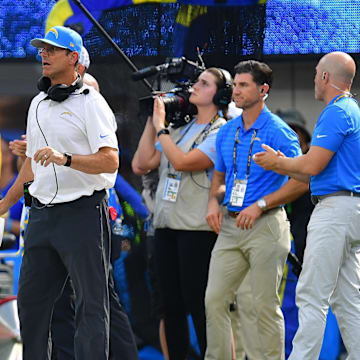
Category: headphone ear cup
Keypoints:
(60, 92)
(43, 84)
(223, 96)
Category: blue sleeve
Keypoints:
(130, 195)
(158, 146)
(208, 147)
(331, 128)
(16, 210)
(289, 142)
(219, 164)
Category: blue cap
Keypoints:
(62, 37)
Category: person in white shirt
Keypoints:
(72, 158)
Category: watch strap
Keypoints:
(163, 131)
(68, 159)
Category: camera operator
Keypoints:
(183, 239)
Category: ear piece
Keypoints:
(323, 76)
(262, 91)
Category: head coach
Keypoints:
(72, 157)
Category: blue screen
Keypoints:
(312, 26)
(290, 27)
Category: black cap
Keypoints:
(294, 119)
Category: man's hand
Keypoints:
(18, 147)
(247, 217)
(48, 155)
(268, 159)
(214, 216)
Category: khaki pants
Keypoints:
(261, 252)
(244, 324)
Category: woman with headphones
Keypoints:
(183, 240)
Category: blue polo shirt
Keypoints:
(271, 130)
(338, 130)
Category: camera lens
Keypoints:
(173, 103)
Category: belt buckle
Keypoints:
(233, 214)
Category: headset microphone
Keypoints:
(86, 91)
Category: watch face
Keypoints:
(262, 204)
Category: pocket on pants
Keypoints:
(278, 226)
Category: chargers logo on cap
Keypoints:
(54, 31)
(71, 44)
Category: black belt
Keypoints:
(233, 214)
(316, 198)
(97, 195)
(39, 204)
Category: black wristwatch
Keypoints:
(163, 131)
(68, 159)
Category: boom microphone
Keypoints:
(144, 73)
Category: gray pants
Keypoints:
(66, 239)
(261, 252)
(330, 276)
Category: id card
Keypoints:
(238, 192)
(172, 186)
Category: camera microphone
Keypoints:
(144, 73)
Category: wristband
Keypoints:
(163, 131)
(8, 225)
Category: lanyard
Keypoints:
(342, 96)
(185, 132)
(250, 150)
(205, 129)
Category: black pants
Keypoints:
(63, 325)
(66, 239)
(182, 263)
(122, 341)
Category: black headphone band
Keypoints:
(223, 95)
(58, 92)
(226, 77)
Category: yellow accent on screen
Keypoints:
(58, 15)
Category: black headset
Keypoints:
(58, 92)
(223, 95)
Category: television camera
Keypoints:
(183, 73)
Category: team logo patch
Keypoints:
(66, 114)
(71, 44)
(54, 31)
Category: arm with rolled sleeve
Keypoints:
(100, 127)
